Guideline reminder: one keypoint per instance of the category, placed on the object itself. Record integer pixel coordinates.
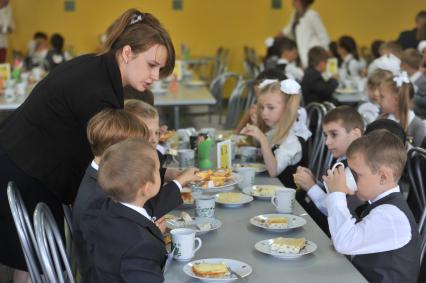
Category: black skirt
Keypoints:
(32, 192)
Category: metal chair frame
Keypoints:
(242, 97)
(25, 232)
(52, 251)
(217, 90)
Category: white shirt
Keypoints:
(410, 117)
(291, 70)
(351, 68)
(6, 21)
(138, 209)
(310, 32)
(299, 127)
(289, 151)
(385, 228)
(414, 78)
(369, 112)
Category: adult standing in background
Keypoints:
(411, 38)
(43, 144)
(306, 28)
(6, 26)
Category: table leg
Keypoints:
(176, 117)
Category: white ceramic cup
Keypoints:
(284, 200)
(204, 206)
(9, 94)
(186, 158)
(350, 179)
(247, 176)
(248, 153)
(183, 243)
(21, 88)
(211, 132)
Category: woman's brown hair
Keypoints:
(140, 31)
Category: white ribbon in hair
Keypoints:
(267, 82)
(401, 78)
(136, 19)
(422, 46)
(290, 86)
(269, 42)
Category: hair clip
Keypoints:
(401, 78)
(136, 18)
(267, 82)
(290, 86)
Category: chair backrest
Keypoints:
(318, 155)
(242, 97)
(422, 231)
(218, 83)
(220, 64)
(53, 257)
(417, 158)
(25, 232)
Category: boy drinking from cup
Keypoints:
(384, 244)
(128, 246)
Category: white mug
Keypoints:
(21, 88)
(248, 153)
(247, 176)
(9, 94)
(211, 132)
(350, 179)
(284, 200)
(183, 243)
(186, 158)
(204, 206)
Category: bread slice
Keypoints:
(277, 222)
(288, 245)
(229, 197)
(210, 269)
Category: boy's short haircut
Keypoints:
(125, 167)
(284, 43)
(412, 58)
(316, 55)
(375, 79)
(348, 117)
(111, 126)
(140, 109)
(393, 47)
(389, 125)
(380, 148)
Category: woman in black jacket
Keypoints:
(43, 145)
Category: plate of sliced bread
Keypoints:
(263, 192)
(217, 269)
(232, 199)
(277, 222)
(286, 248)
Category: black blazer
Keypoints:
(128, 247)
(408, 39)
(46, 135)
(315, 88)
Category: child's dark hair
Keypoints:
(347, 116)
(348, 43)
(57, 42)
(271, 74)
(316, 55)
(375, 48)
(390, 125)
(40, 35)
(283, 44)
(332, 46)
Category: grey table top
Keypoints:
(237, 237)
(357, 97)
(184, 96)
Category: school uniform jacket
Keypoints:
(46, 135)
(315, 88)
(128, 247)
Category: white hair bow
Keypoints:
(401, 78)
(267, 82)
(290, 86)
(422, 46)
(269, 42)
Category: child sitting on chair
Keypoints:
(384, 244)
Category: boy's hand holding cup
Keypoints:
(340, 179)
(304, 178)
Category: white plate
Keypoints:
(195, 83)
(243, 200)
(239, 267)
(260, 168)
(252, 191)
(215, 224)
(265, 247)
(293, 222)
(229, 185)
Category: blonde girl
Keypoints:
(278, 109)
(395, 102)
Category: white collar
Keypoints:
(138, 209)
(386, 193)
(161, 149)
(348, 58)
(341, 158)
(94, 165)
(415, 76)
(282, 61)
(410, 117)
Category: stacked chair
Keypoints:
(242, 97)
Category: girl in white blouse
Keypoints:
(306, 28)
(352, 64)
(278, 106)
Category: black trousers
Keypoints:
(32, 192)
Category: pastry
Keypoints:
(288, 245)
(210, 269)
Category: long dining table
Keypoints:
(237, 237)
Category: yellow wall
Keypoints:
(206, 24)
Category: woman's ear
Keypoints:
(126, 53)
